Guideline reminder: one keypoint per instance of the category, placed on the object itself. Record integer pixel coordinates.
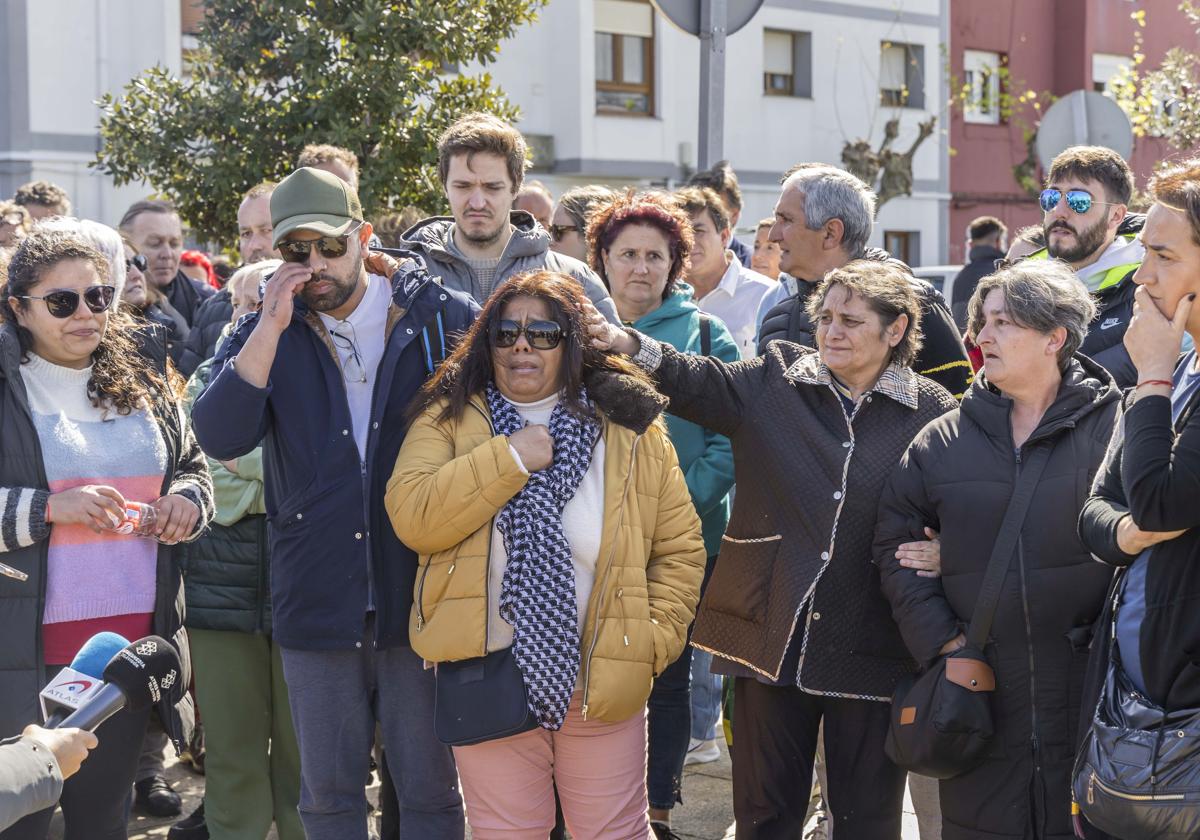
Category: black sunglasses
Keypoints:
(557, 231)
(329, 247)
(541, 335)
(63, 302)
(139, 262)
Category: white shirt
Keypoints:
(583, 524)
(735, 301)
(366, 325)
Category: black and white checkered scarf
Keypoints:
(537, 596)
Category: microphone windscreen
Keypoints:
(97, 652)
(146, 671)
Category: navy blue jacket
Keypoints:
(332, 547)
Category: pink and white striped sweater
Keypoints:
(92, 575)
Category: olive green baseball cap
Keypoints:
(315, 200)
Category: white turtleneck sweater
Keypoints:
(583, 521)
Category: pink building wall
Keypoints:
(1049, 47)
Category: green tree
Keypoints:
(270, 76)
(1164, 102)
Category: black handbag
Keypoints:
(1137, 773)
(480, 699)
(941, 720)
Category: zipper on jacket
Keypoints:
(1094, 782)
(587, 665)
(487, 559)
(421, 596)
(1028, 637)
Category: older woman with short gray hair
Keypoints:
(1037, 419)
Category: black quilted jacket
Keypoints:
(808, 483)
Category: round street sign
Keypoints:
(1083, 118)
(686, 13)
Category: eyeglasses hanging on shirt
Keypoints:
(344, 338)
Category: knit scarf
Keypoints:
(537, 595)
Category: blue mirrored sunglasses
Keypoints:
(1080, 201)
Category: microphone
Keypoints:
(141, 673)
(81, 680)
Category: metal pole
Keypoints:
(713, 22)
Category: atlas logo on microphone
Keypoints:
(147, 648)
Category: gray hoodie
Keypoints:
(527, 249)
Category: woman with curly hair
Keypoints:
(639, 247)
(89, 427)
(521, 439)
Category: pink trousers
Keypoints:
(599, 768)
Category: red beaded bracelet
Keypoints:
(1164, 382)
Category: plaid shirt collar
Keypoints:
(897, 382)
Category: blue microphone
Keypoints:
(81, 679)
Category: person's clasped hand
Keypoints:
(177, 517)
(925, 556)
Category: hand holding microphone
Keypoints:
(69, 746)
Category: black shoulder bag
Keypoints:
(1137, 773)
(480, 699)
(941, 721)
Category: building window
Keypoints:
(624, 57)
(904, 245)
(787, 63)
(981, 83)
(901, 75)
(1105, 67)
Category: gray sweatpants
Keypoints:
(337, 697)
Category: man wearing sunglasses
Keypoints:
(322, 375)
(1086, 222)
(481, 161)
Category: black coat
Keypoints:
(942, 358)
(981, 263)
(958, 477)
(1153, 474)
(186, 295)
(799, 539)
(211, 318)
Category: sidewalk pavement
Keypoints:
(706, 812)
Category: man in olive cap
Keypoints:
(323, 375)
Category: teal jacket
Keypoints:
(705, 457)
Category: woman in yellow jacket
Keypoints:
(553, 524)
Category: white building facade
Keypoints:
(609, 92)
(58, 57)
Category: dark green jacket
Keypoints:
(227, 571)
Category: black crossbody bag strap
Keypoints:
(1002, 550)
(705, 335)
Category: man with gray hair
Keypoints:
(823, 220)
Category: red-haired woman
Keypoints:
(198, 266)
(639, 247)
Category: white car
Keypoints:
(941, 276)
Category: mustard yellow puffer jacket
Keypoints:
(452, 478)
